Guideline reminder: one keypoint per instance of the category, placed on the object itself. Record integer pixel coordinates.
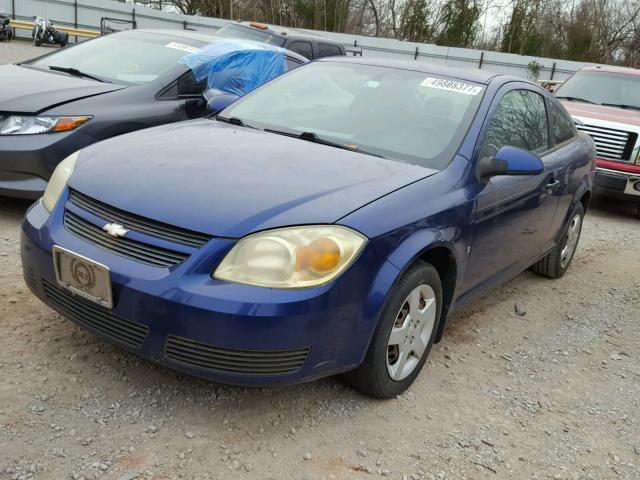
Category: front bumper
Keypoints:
(182, 318)
(27, 161)
(617, 184)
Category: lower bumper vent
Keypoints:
(234, 361)
(85, 313)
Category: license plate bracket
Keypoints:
(83, 277)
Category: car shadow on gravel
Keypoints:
(13, 209)
(611, 207)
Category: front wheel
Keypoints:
(404, 336)
(557, 261)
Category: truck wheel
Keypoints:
(557, 261)
(404, 336)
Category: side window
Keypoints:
(563, 127)
(188, 85)
(520, 120)
(301, 48)
(291, 63)
(326, 50)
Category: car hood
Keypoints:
(28, 90)
(602, 112)
(228, 181)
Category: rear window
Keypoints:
(301, 48)
(562, 125)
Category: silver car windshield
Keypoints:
(403, 115)
(128, 57)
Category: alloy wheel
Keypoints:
(411, 332)
(571, 240)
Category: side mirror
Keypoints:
(510, 161)
(217, 100)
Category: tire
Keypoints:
(38, 42)
(421, 283)
(557, 261)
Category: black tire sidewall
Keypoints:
(578, 209)
(376, 362)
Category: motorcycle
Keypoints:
(44, 32)
(6, 30)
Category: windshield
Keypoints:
(231, 30)
(602, 88)
(398, 114)
(133, 58)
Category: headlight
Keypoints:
(295, 257)
(29, 125)
(58, 181)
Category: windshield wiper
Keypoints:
(578, 99)
(234, 121)
(76, 73)
(621, 105)
(313, 137)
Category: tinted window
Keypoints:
(127, 57)
(325, 50)
(301, 48)
(520, 120)
(398, 114)
(563, 127)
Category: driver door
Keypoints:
(514, 214)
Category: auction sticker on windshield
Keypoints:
(451, 86)
(181, 46)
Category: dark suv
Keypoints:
(308, 46)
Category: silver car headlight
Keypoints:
(293, 257)
(58, 181)
(31, 125)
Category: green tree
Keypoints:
(459, 27)
(415, 23)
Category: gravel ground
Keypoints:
(552, 394)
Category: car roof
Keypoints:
(199, 36)
(287, 32)
(611, 69)
(471, 75)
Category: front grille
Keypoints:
(138, 223)
(234, 361)
(141, 252)
(97, 318)
(611, 144)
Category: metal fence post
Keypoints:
(133, 18)
(13, 9)
(75, 16)
(415, 55)
(481, 60)
(184, 25)
(553, 70)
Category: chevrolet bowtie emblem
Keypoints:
(115, 230)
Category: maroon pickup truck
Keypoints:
(605, 103)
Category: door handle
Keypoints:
(553, 185)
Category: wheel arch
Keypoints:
(441, 254)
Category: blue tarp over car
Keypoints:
(236, 66)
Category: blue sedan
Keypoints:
(327, 223)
